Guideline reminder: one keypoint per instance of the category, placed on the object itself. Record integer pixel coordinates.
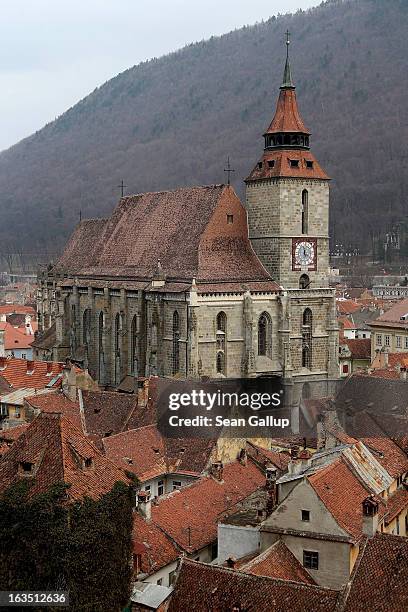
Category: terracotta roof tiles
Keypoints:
(20, 373)
(277, 561)
(200, 586)
(190, 515)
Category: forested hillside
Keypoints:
(173, 121)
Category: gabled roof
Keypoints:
(343, 494)
(264, 456)
(56, 402)
(201, 587)
(15, 338)
(107, 412)
(277, 561)
(360, 348)
(188, 229)
(58, 452)
(20, 373)
(190, 515)
(156, 550)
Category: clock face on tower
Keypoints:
(304, 254)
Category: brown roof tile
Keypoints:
(59, 452)
(190, 515)
(201, 587)
(380, 577)
(277, 561)
(154, 547)
(215, 250)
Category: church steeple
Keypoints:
(287, 75)
(287, 139)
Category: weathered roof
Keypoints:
(45, 340)
(30, 374)
(287, 116)
(18, 396)
(379, 579)
(190, 515)
(147, 454)
(201, 586)
(392, 318)
(155, 548)
(186, 230)
(277, 561)
(360, 348)
(277, 163)
(58, 452)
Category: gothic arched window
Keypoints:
(307, 336)
(305, 211)
(117, 330)
(264, 334)
(133, 345)
(304, 281)
(220, 363)
(100, 346)
(176, 344)
(86, 326)
(221, 342)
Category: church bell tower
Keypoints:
(287, 199)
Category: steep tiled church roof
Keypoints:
(195, 232)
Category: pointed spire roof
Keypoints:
(287, 117)
(287, 75)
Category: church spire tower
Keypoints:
(287, 198)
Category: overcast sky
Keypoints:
(54, 52)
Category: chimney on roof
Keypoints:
(272, 489)
(243, 456)
(321, 434)
(144, 504)
(403, 373)
(49, 367)
(231, 562)
(69, 386)
(3, 360)
(217, 470)
(370, 516)
(30, 367)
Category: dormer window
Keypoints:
(294, 163)
(26, 467)
(309, 163)
(88, 463)
(271, 163)
(260, 165)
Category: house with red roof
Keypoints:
(328, 504)
(184, 522)
(52, 450)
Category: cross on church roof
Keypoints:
(228, 170)
(122, 187)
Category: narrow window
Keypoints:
(264, 334)
(160, 487)
(117, 355)
(379, 339)
(230, 219)
(86, 326)
(260, 165)
(133, 346)
(305, 515)
(271, 163)
(176, 343)
(100, 347)
(305, 211)
(221, 342)
(307, 329)
(387, 340)
(304, 282)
